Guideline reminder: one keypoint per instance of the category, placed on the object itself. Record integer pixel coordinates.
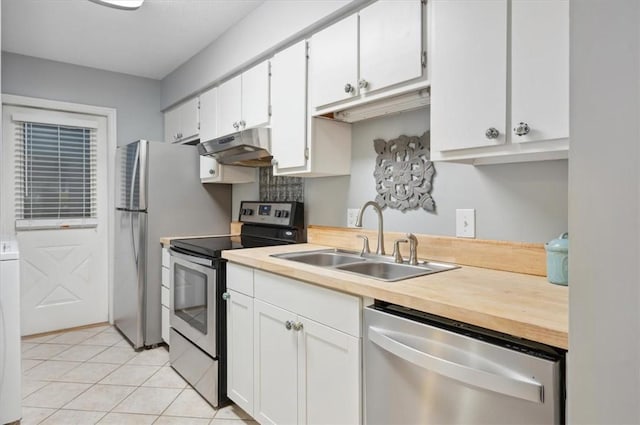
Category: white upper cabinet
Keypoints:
(468, 74)
(540, 69)
(379, 48)
(334, 70)
(181, 124)
(390, 44)
(209, 114)
(487, 100)
(243, 101)
(229, 106)
(303, 146)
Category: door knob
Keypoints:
(348, 88)
(236, 125)
(297, 326)
(363, 84)
(492, 133)
(288, 324)
(522, 129)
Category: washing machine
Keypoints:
(10, 386)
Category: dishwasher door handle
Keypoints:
(526, 390)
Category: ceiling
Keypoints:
(149, 42)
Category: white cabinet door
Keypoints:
(540, 69)
(208, 114)
(229, 106)
(289, 106)
(209, 168)
(390, 43)
(240, 350)
(334, 62)
(171, 125)
(275, 365)
(255, 96)
(328, 376)
(165, 324)
(189, 119)
(468, 73)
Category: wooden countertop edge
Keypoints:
(548, 333)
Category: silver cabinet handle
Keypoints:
(526, 389)
(492, 133)
(363, 84)
(288, 324)
(226, 296)
(274, 162)
(297, 326)
(242, 124)
(212, 171)
(348, 88)
(522, 129)
(236, 125)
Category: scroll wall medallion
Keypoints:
(404, 173)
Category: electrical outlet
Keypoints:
(466, 223)
(352, 216)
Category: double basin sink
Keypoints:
(373, 266)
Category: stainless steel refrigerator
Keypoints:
(158, 193)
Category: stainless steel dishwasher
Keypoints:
(425, 369)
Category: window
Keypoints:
(55, 176)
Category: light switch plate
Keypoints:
(352, 216)
(466, 223)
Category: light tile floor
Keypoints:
(93, 376)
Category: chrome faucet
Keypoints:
(376, 207)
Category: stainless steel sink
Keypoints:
(374, 266)
(321, 258)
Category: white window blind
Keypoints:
(55, 176)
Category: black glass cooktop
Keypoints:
(212, 247)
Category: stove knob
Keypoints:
(278, 213)
(285, 213)
(249, 211)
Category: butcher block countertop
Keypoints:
(522, 305)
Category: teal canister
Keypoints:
(558, 260)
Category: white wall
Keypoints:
(269, 27)
(519, 202)
(604, 196)
(136, 99)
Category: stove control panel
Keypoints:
(290, 214)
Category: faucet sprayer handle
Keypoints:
(365, 245)
(397, 257)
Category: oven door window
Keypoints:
(190, 297)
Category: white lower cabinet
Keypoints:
(294, 350)
(165, 295)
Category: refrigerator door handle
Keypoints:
(526, 390)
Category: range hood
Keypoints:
(249, 148)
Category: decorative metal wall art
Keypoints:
(280, 188)
(404, 173)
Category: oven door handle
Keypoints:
(192, 258)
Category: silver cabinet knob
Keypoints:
(274, 162)
(288, 324)
(212, 171)
(236, 125)
(297, 326)
(348, 88)
(492, 133)
(522, 129)
(226, 296)
(242, 124)
(179, 135)
(363, 84)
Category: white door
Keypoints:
(64, 271)
(540, 69)
(390, 43)
(208, 114)
(333, 57)
(240, 350)
(189, 118)
(229, 106)
(255, 96)
(468, 73)
(289, 102)
(275, 365)
(328, 375)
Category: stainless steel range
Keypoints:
(198, 282)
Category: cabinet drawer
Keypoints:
(166, 296)
(166, 258)
(335, 309)
(166, 277)
(240, 278)
(164, 323)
